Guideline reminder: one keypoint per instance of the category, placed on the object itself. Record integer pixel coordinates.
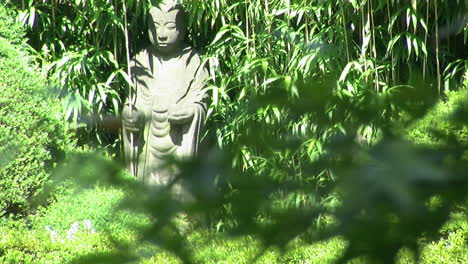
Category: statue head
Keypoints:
(167, 27)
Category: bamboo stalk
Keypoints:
(374, 49)
(437, 45)
(363, 35)
(130, 92)
(247, 23)
(53, 15)
(306, 21)
(343, 19)
(115, 43)
(254, 46)
(425, 41)
(288, 43)
(392, 70)
(267, 10)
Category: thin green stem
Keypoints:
(374, 49)
(345, 33)
(437, 46)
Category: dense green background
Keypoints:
(335, 126)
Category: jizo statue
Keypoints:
(164, 114)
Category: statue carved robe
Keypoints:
(162, 86)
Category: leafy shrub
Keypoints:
(32, 137)
(19, 244)
(9, 29)
(80, 222)
(98, 204)
(445, 126)
(440, 124)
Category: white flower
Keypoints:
(89, 226)
(73, 229)
(53, 234)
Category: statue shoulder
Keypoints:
(192, 58)
(192, 55)
(141, 57)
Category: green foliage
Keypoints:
(387, 191)
(437, 126)
(20, 244)
(10, 30)
(452, 247)
(82, 46)
(32, 136)
(136, 224)
(59, 233)
(256, 47)
(306, 98)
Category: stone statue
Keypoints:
(164, 115)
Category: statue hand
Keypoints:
(181, 114)
(132, 120)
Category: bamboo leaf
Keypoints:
(416, 47)
(220, 34)
(423, 24)
(270, 80)
(32, 17)
(424, 48)
(414, 19)
(392, 43)
(409, 45)
(346, 71)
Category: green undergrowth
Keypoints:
(217, 248)
(82, 221)
(114, 229)
(22, 245)
(442, 123)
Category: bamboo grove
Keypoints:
(254, 47)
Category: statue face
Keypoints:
(165, 31)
